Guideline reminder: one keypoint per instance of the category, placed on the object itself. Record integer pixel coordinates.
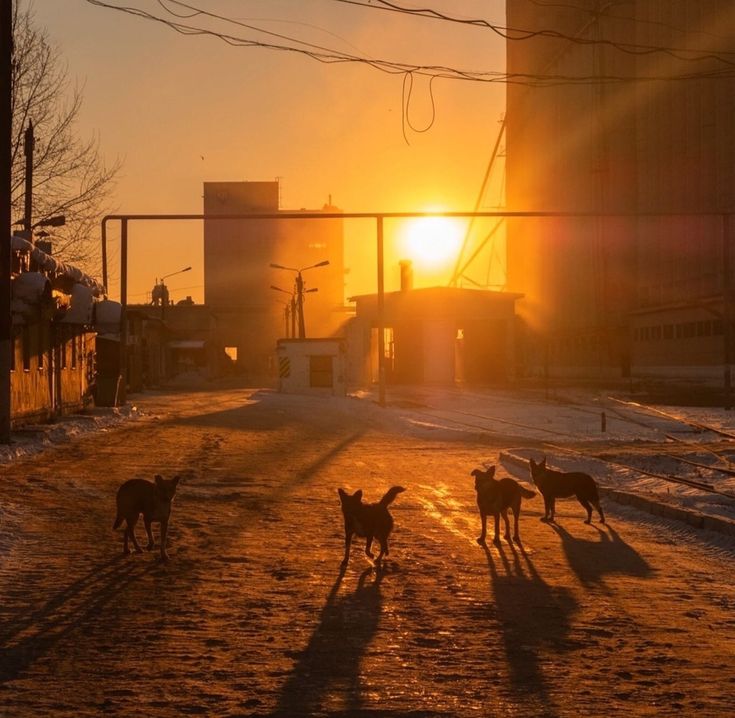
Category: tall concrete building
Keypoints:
(238, 276)
(624, 110)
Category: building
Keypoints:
(53, 359)
(439, 335)
(638, 288)
(238, 275)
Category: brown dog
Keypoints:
(153, 500)
(495, 497)
(367, 520)
(555, 485)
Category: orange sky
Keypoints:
(180, 111)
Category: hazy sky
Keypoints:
(182, 110)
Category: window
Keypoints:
(320, 371)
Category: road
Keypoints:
(252, 615)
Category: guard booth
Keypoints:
(311, 366)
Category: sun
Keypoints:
(433, 241)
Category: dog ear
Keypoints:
(532, 463)
(175, 480)
(158, 479)
(357, 495)
(542, 463)
(491, 471)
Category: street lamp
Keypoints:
(57, 221)
(160, 291)
(299, 291)
(290, 309)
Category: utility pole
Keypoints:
(300, 304)
(6, 129)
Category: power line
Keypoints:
(513, 33)
(637, 20)
(329, 56)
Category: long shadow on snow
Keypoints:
(31, 635)
(534, 617)
(592, 560)
(330, 663)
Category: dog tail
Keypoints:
(390, 496)
(118, 521)
(527, 493)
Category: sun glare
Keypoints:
(433, 241)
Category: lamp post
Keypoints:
(163, 291)
(290, 310)
(300, 291)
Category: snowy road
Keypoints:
(252, 615)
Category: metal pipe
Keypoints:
(381, 317)
(122, 395)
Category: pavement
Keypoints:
(253, 616)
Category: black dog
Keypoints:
(561, 485)
(367, 520)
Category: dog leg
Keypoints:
(131, 533)
(587, 508)
(507, 525)
(481, 537)
(149, 531)
(552, 509)
(516, 516)
(164, 534)
(348, 543)
(126, 550)
(598, 506)
(545, 517)
(383, 550)
(496, 539)
(368, 544)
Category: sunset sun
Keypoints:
(433, 241)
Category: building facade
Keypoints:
(623, 111)
(238, 276)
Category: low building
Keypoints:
(436, 335)
(53, 360)
(311, 366)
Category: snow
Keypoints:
(567, 429)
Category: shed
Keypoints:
(436, 335)
(311, 366)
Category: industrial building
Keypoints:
(238, 277)
(623, 111)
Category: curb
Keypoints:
(695, 519)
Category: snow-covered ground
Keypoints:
(641, 449)
(647, 450)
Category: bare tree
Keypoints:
(69, 176)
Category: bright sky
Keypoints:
(182, 110)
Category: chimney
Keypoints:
(406, 275)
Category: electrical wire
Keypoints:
(405, 104)
(511, 33)
(329, 56)
(637, 20)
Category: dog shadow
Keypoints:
(29, 636)
(330, 663)
(535, 618)
(592, 560)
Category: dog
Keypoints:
(561, 485)
(495, 497)
(153, 500)
(368, 521)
